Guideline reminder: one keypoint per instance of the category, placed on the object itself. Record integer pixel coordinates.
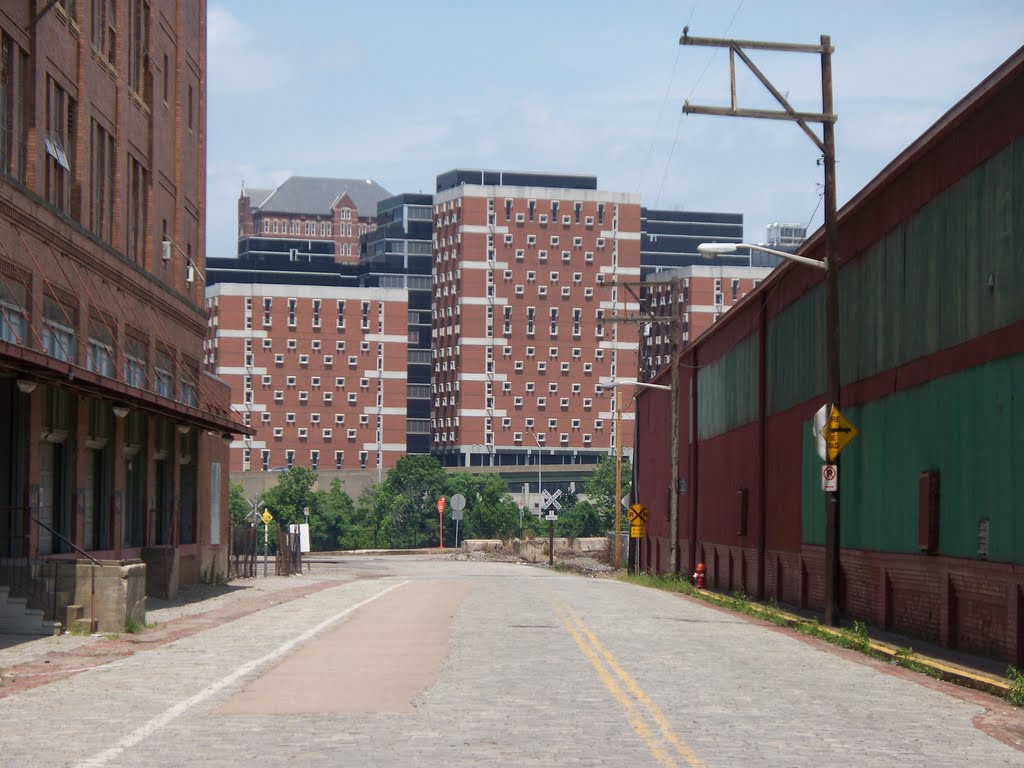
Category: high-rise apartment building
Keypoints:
(527, 273)
(112, 433)
(318, 371)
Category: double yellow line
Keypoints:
(641, 711)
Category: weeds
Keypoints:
(133, 624)
(1016, 693)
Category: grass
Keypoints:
(133, 624)
(855, 638)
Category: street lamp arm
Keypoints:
(710, 250)
(635, 383)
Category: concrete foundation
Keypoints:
(109, 592)
(162, 572)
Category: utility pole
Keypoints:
(618, 476)
(826, 144)
(673, 321)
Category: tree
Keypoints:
(292, 493)
(580, 519)
(600, 489)
(491, 512)
(328, 520)
(417, 482)
(238, 506)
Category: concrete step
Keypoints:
(31, 623)
(13, 606)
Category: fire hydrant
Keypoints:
(700, 579)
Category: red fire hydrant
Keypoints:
(700, 579)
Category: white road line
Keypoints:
(181, 707)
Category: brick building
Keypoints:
(111, 429)
(318, 371)
(309, 216)
(701, 295)
(526, 273)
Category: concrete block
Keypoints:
(482, 545)
(590, 545)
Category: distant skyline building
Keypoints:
(526, 267)
(705, 293)
(308, 216)
(399, 254)
(669, 239)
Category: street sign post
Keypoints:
(267, 517)
(440, 522)
(549, 501)
(637, 516)
(458, 504)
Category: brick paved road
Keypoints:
(534, 669)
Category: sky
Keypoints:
(399, 92)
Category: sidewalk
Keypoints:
(27, 661)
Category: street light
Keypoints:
(539, 491)
(673, 511)
(710, 250)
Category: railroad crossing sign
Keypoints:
(637, 514)
(548, 500)
(838, 432)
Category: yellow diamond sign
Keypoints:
(267, 517)
(838, 433)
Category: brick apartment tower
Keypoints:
(526, 268)
(113, 435)
(319, 371)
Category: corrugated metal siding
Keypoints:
(795, 352)
(952, 273)
(727, 390)
(966, 426)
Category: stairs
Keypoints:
(16, 618)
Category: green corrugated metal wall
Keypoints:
(727, 390)
(795, 352)
(966, 426)
(954, 272)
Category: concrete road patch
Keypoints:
(378, 661)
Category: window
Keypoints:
(278, 431)
(137, 211)
(352, 397)
(542, 290)
(289, 418)
(138, 48)
(303, 396)
(518, 366)
(542, 255)
(60, 130)
(552, 423)
(278, 395)
(339, 459)
(564, 367)
(339, 346)
(588, 367)
(265, 417)
(100, 350)
(351, 434)
(554, 241)
(104, 29)
(102, 165)
(328, 397)
(134, 367)
(279, 359)
(268, 343)
(303, 359)
(520, 253)
(364, 419)
(302, 433)
(292, 344)
(353, 361)
(290, 381)
(528, 422)
(518, 402)
(339, 418)
(563, 403)
(163, 375)
(529, 386)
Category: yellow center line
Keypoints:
(634, 717)
(640, 695)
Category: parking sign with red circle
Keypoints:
(830, 477)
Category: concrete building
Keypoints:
(112, 430)
(526, 273)
(309, 216)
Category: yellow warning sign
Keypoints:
(637, 514)
(267, 517)
(637, 530)
(838, 433)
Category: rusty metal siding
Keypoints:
(727, 390)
